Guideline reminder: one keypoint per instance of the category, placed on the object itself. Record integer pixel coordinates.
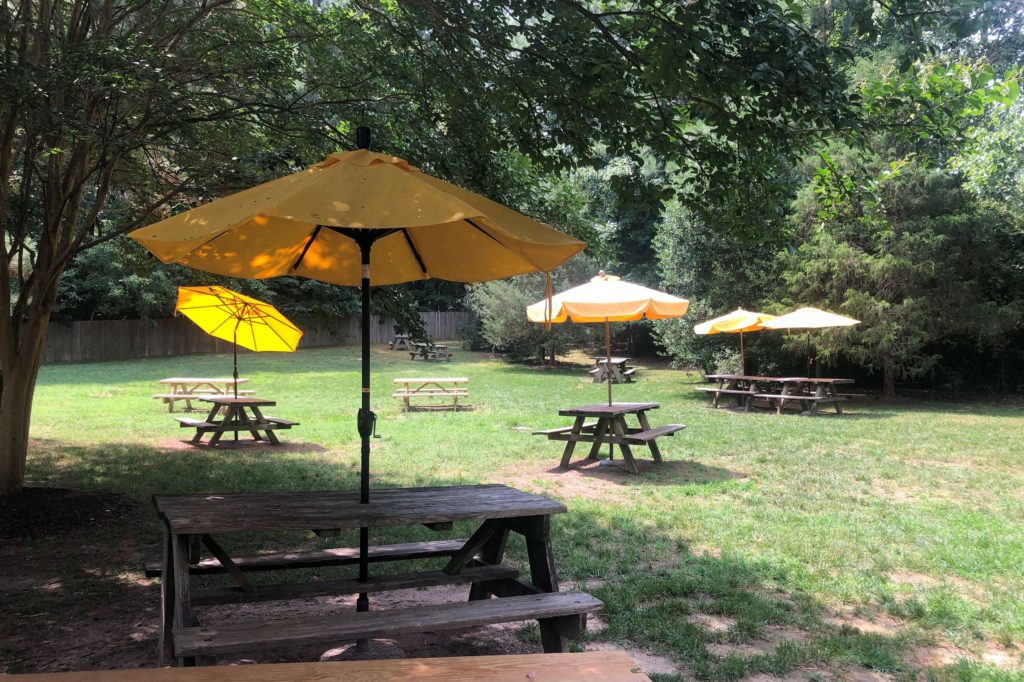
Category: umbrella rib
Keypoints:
(483, 230)
(415, 251)
(305, 249)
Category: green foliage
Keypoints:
(934, 274)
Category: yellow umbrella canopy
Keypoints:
(606, 298)
(810, 318)
(738, 321)
(309, 224)
(231, 316)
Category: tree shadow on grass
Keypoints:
(678, 472)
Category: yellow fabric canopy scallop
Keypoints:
(738, 321)
(231, 316)
(810, 318)
(608, 298)
(303, 224)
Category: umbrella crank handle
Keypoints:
(366, 422)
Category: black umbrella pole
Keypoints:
(365, 424)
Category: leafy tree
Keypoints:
(934, 275)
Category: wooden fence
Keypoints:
(131, 339)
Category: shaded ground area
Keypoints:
(56, 511)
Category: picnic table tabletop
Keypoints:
(604, 409)
(305, 510)
(415, 380)
(603, 359)
(240, 400)
(201, 380)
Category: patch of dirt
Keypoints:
(711, 622)
(821, 673)
(946, 653)
(775, 636)
(39, 512)
(879, 624)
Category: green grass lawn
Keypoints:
(889, 540)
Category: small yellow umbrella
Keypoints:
(738, 321)
(810, 318)
(234, 317)
(607, 299)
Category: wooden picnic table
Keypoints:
(445, 388)
(586, 666)
(606, 425)
(619, 368)
(400, 342)
(807, 392)
(190, 522)
(194, 388)
(235, 419)
(439, 351)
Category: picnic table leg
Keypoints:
(831, 391)
(182, 605)
(228, 420)
(577, 428)
(599, 431)
(167, 600)
(619, 428)
(646, 426)
(819, 392)
(492, 552)
(537, 532)
(271, 436)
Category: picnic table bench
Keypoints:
(191, 521)
(807, 392)
(619, 368)
(195, 388)
(439, 351)
(235, 419)
(606, 424)
(587, 666)
(444, 388)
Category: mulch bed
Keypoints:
(55, 511)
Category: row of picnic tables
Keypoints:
(806, 392)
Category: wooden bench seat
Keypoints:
(337, 556)
(195, 395)
(190, 423)
(282, 423)
(731, 391)
(587, 666)
(800, 396)
(412, 393)
(651, 434)
(563, 611)
(230, 594)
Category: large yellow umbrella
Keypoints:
(739, 322)
(324, 222)
(607, 299)
(244, 321)
(810, 318)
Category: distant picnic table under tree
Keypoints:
(621, 372)
(241, 414)
(806, 392)
(426, 351)
(604, 424)
(195, 388)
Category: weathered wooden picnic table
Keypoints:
(400, 342)
(195, 388)
(586, 666)
(192, 521)
(807, 392)
(439, 351)
(620, 370)
(444, 388)
(235, 419)
(605, 424)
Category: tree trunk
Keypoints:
(19, 383)
(888, 379)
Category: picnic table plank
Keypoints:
(431, 387)
(239, 512)
(590, 666)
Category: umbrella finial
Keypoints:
(362, 137)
